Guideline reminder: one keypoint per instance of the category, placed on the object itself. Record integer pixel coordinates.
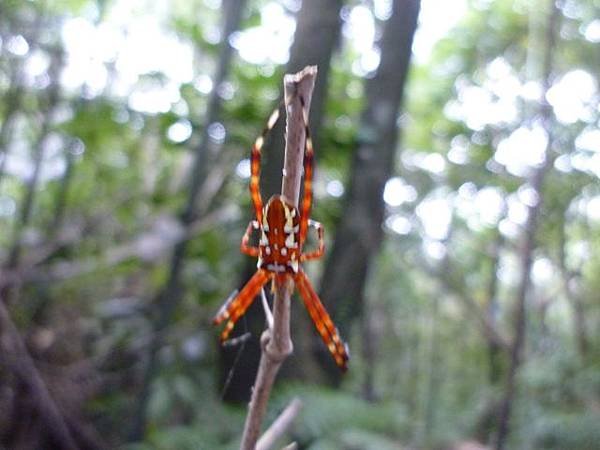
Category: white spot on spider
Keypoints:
(293, 264)
(290, 243)
(289, 222)
(268, 250)
(283, 251)
(263, 239)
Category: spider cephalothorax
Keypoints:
(282, 232)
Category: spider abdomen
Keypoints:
(279, 245)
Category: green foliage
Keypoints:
(567, 431)
(332, 419)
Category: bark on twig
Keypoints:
(280, 426)
(276, 344)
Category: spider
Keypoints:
(283, 231)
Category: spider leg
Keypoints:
(237, 305)
(244, 247)
(321, 248)
(308, 176)
(322, 321)
(255, 165)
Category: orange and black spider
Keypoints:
(283, 230)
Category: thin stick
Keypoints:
(280, 426)
(292, 446)
(277, 345)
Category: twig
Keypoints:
(292, 446)
(26, 371)
(280, 426)
(276, 344)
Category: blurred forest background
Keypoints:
(460, 196)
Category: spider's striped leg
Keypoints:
(321, 248)
(255, 165)
(236, 306)
(309, 155)
(322, 321)
(244, 246)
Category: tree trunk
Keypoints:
(13, 101)
(528, 246)
(359, 234)
(580, 328)
(12, 105)
(170, 296)
(23, 404)
(495, 353)
(434, 378)
(369, 345)
(60, 204)
(23, 219)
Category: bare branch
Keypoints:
(148, 246)
(25, 370)
(292, 446)
(280, 426)
(277, 345)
